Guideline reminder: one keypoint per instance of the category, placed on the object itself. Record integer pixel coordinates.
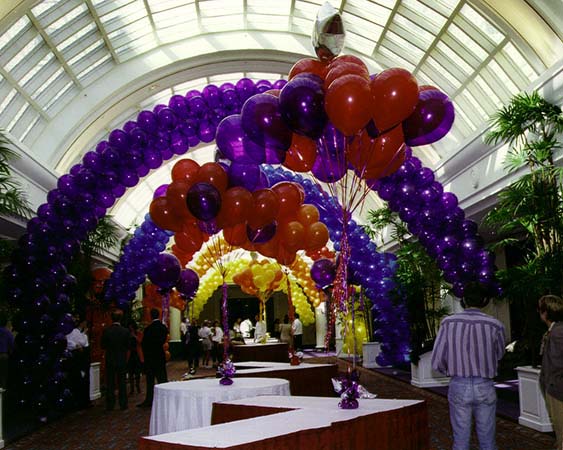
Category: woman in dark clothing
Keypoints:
(193, 347)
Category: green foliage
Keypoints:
(529, 212)
(418, 277)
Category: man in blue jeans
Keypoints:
(468, 348)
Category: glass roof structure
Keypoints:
(73, 70)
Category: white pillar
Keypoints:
(320, 324)
(175, 316)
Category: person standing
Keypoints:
(285, 330)
(297, 328)
(468, 348)
(550, 308)
(6, 349)
(115, 342)
(205, 336)
(193, 346)
(78, 345)
(217, 339)
(259, 329)
(134, 363)
(246, 328)
(152, 344)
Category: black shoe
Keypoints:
(144, 405)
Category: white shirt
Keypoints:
(218, 335)
(245, 327)
(297, 327)
(76, 339)
(183, 327)
(204, 332)
(260, 330)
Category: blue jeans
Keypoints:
(468, 397)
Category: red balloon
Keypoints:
(236, 206)
(372, 157)
(301, 156)
(176, 197)
(307, 215)
(236, 235)
(292, 234)
(308, 65)
(185, 169)
(213, 173)
(266, 208)
(348, 103)
(285, 257)
(395, 95)
(189, 242)
(269, 249)
(316, 236)
(345, 59)
(289, 197)
(345, 68)
(164, 216)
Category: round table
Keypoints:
(182, 405)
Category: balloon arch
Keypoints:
(39, 285)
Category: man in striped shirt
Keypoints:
(468, 348)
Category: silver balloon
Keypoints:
(328, 33)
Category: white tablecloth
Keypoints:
(182, 405)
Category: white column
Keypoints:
(320, 324)
(175, 317)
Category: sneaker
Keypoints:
(192, 372)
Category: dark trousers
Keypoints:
(113, 375)
(297, 342)
(153, 372)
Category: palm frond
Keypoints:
(103, 238)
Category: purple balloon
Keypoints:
(245, 175)
(330, 164)
(188, 283)
(235, 144)
(431, 120)
(245, 89)
(164, 270)
(302, 106)
(449, 201)
(323, 272)
(160, 191)
(262, 234)
(212, 96)
(179, 105)
(261, 120)
(204, 201)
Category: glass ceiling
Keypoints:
(52, 51)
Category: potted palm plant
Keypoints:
(421, 284)
(529, 219)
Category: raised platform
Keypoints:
(271, 352)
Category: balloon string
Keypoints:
(166, 308)
(225, 317)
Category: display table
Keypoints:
(182, 405)
(274, 351)
(305, 379)
(309, 423)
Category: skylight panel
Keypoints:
(62, 46)
(467, 41)
(422, 13)
(47, 83)
(92, 68)
(218, 24)
(371, 11)
(22, 120)
(84, 53)
(488, 100)
(24, 52)
(217, 8)
(158, 6)
(394, 59)
(43, 7)
(58, 95)
(179, 15)
(444, 73)
(27, 134)
(268, 7)
(512, 70)
(506, 85)
(263, 22)
(520, 61)
(305, 10)
(473, 107)
(456, 60)
(14, 31)
(36, 68)
(67, 19)
(10, 109)
(16, 118)
(7, 100)
(410, 51)
(124, 16)
(359, 43)
(401, 25)
(482, 24)
(362, 27)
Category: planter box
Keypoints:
(423, 376)
(95, 392)
(370, 352)
(533, 412)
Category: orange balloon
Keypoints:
(164, 216)
(289, 197)
(307, 215)
(348, 103)
(214, 174)
(189, 242)
(285, 257)
(292, 234)
(167, 355)
(236, 235)
(185, 169)
(345, 68)
(269, 249)
(316, 236)
(236, 206)
(266, 207)
(301, 155)
(274, 92)
(395, 96)
(308, 65)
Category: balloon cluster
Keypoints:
(259, 278)
(367, 267)
(273, 221)
(138, 255)
(434, 216)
